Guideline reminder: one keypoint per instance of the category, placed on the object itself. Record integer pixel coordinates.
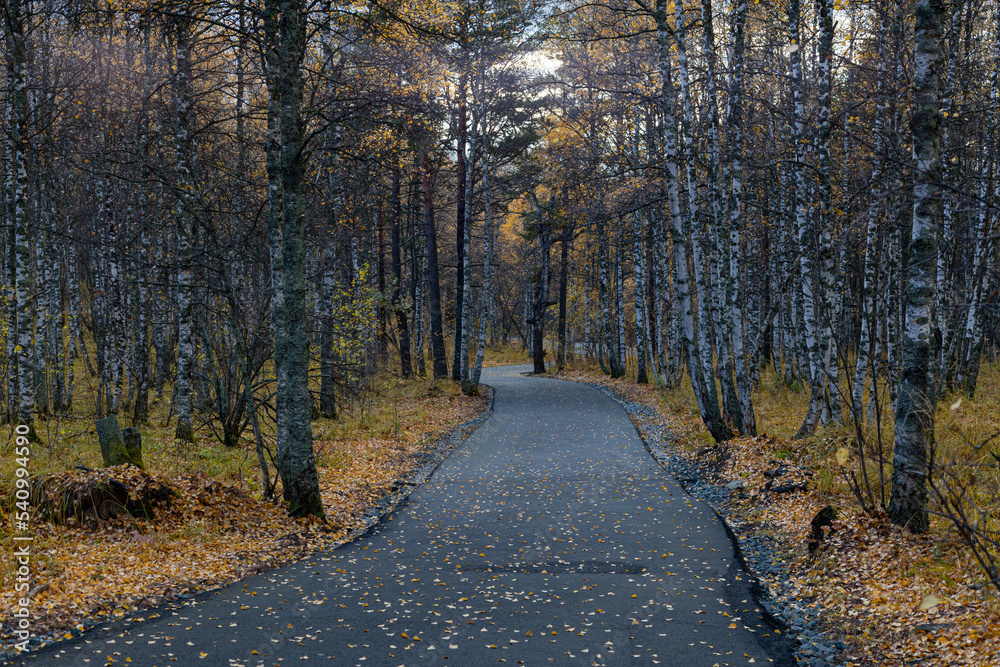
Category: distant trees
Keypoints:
(251, 210)
(233, 206)
(762, 158)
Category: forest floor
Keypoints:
(887, 596)
(212, 526)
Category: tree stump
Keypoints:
(133, 445)
(114, 448)
(89, 496)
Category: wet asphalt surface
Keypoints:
(551, 537)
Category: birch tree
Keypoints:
(681, 239)
(185, 226)
(915, 407)
(18, 18)
(285, 31)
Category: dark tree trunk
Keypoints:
(402, 326)
(541, 295)
(285, 26)
(383, 333)
(456, 362)
(433, 284)
(563, 288)
(416, 265)
(327, 377)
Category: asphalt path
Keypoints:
(551, 537)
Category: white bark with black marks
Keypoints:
(681, 239)
(185, 230)
(17, 16)
(915, 405)
(747, 422)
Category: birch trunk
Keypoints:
(416, 271)
(9, 263)
(115, 321)
(272, 150)
(286, 29)
(73, 288)
(587, 339)
(653, 306)
(806, 240)
(25, 350)
(465, 283)
(335, 202)
(620, 302)
(484, 311)
(185, 231)
(681, 241)
(461, 216)
(973, 327)
(865, 358)
(666, 326)
(563, 295)
(695, 224)
(10, 299)
(56, 315)
(747, 423)
(717, 239)
(946, 321)
(328, 388)
(608, 343)
(914, 432)
(641, 344)
(20, 132)
(543, 231)
(983, 236)
(827, 261)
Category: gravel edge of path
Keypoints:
(759, 554)
(432, 456)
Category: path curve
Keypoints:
(550, 537)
